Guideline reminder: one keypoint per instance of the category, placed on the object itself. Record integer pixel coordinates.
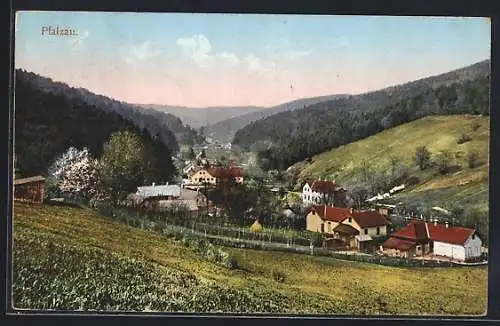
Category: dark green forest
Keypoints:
(289, 137)
(47, 122)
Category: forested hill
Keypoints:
(226, 129)
(161, 123)
(50, 120)
(289, 137)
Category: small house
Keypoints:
(356, 229)
(30, 189)
(323, 192)
(420, 238)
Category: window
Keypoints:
(473, 236)
(350, 219)
(366, 231)
(378, 230)
(322, 228)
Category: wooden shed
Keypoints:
(30, 189)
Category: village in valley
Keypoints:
(211, 172)
(320, 212)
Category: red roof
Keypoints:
(323, 186)
(395, 243)
(335, 214)
(454, 235)
(363, 218)
(366, 219)
(417, 230)
(226, 172)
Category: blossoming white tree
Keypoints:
(76, 172)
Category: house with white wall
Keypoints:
(322, 192)
(442, 240)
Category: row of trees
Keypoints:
(126, 162)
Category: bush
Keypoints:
(278, 276)
(412, 181)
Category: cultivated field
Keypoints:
(69, 258)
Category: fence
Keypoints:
(248, 240)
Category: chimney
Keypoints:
(153, 184)
(435, 222)
(324, 211)
(351, 210)
(166, 183)
(446, 224)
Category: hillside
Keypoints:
(462, 187)
(48, 123)
(74, 259)
(288, 137)
(201, 117)
(155, 122)
(225, 130)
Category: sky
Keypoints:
(201, 60)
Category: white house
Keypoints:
(441, 240)
(313, 192)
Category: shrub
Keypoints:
(278, 276)
(463, 139)
(412, 181)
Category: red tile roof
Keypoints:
(417, 230)
(395, 243)
(226, 172)
(323, 186)
(367, 219)
(452, 234)
(335, 214)
(363, 218)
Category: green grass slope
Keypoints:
(71, 259)
(438, 133)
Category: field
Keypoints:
(437, 133)
(69, 258)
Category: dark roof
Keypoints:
(28, 180)
(345, 229)
(226, 172)
(420, 230)
(334, 214)
(363, 218)
(367, 219)
(395, 243)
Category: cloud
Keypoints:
(141, 52)
(76, 42)
(197, 48)
(231, 58)
(256, 64)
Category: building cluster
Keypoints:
(370, 229)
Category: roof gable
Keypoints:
(366, 219)
(420, 230)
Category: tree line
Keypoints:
(289, 137)
(48, 123)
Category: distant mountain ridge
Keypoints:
(154, 121)
(201, 117)
(291, 136)
(50, 117)
(226, 129)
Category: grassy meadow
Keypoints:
(69, 258)
(438, 134)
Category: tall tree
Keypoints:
(122, 164)
(422, 157)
